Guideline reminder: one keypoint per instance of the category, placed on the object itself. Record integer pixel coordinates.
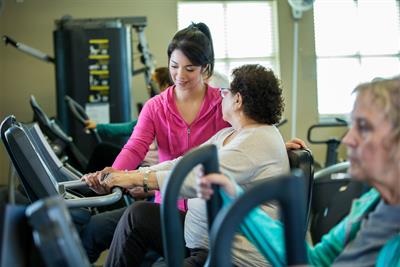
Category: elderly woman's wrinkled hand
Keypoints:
(123, 179)
(94, 181)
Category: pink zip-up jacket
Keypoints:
(160, 119)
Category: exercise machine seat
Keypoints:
(303, 159)
(333, 193)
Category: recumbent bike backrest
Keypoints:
(302, 159)
(35, 177)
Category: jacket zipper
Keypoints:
(188, 137)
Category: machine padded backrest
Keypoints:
(302, 159)
(55, 234)
(6, 124)
(16, 244)
(56, 167)
(39, 140)
(34, 175)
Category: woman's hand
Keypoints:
(295, 143)
(123, 179)
(94, 181)
(103, 181)
(89, 124)
(204, 189)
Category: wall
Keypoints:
(307, 113)
(32, 22)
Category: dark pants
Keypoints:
(138, 231)
(97, 234)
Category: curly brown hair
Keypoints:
(261, 93)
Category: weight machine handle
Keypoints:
(28, 50)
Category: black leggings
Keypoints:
(96, 235)
(138, 231)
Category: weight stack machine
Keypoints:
(93, 59)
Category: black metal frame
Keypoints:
(173, 243)
(303, 159)
(80, 114)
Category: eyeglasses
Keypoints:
(224, 92)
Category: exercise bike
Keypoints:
(333, 189)
(64, 147)
(79, 114)
(332, 143)
(61, 143)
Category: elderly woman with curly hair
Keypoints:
(250, 150)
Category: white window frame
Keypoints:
(225, 63)
(362, 76)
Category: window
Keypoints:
(355, 42)
(242, 32)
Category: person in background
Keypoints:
(370, 234)
(219, 80)
(162, 78)
(182, 117)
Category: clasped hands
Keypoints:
(103, 181)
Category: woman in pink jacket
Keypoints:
(182, 117)
(186, 114)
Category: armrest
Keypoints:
(332, 169)
(97, 201)
(72, 185)
(73, 201)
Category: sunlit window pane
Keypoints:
(222, 67)
(210, 14)
(251, 35)
(383, 67)
(337, 77)
(355, 41)
(335, 27)
(234, 64)
(232, 27)
(380, 32)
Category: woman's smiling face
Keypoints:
(184, 74)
